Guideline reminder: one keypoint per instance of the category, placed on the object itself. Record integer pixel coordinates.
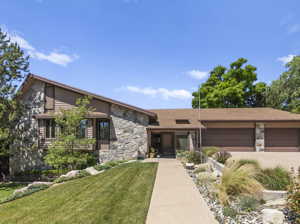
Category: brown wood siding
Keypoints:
(49, 97)
(282, 139)
(66, 99)
(295, 124)
(229, 124)
(226, 137)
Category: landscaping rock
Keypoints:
(272, 216)
(268, 195)
(21, 190)
(92, 171)
(40, 183)
(276, 203)
(72, 173)
(189, 166)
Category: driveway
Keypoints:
(175, 198)
(272, 159)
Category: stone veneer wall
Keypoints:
(26, 154)
(128, 135)
(259, 137)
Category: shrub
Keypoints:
(294, 200)
(222, 156)
(230, 212)
(248, 203)
(274, 178)
(200, 170)
(181, 153)
(195, 157)
(210, 151)
(205, 178)
(238, 180)
(253, 162)
(100, 167)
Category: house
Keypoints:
(125, 131)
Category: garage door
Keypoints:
(282, 138)
(228, 137)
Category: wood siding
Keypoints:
(229, 124)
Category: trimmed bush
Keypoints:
(248, 203)
(195, 157)
(274, 178)
(210, 151)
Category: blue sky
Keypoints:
(151, 53)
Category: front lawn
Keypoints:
(119, 195)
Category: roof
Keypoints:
(167, 117)
(31, 77)
(89, 115)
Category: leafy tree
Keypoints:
(13, 68)
(67, 150)
(231, 87)
(284, 93)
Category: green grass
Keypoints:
(119, 195)
(7, 189)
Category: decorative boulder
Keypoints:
(92, 171)
(189, 166)
(21, 190)
(72, 173)
(40, 183)
(272, 216)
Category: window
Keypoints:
(82, 128)
(50, 128)
(103, 132)
(182, 121)
(182, 142)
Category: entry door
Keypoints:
(167, 144)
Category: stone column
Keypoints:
(259, 137)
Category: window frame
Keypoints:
(98, 128)
(50, 128)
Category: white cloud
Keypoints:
(53, 56)
(286, 59)
(294, 28)
(197, 74)
(161, 92)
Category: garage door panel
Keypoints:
(282, 137)
(229, 137)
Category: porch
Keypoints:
(167, 141)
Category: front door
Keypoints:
(167, 144)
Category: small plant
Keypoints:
(248, 203)
(200, 170)
(194, 157)
(238, 180)
(153, 152)
(210, 151)
(100, 167)
(230, 212)
(222, 156)
(205, 178)
(293, 200)
(274, 178)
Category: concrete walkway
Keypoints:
(175, 198)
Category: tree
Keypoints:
(13, 69)
(66, 152)
(233, 87)
(284, 93)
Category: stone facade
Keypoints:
(26, 154)
(128, 135)
(259, 137)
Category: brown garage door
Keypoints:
(282, 139)
(229, 137)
